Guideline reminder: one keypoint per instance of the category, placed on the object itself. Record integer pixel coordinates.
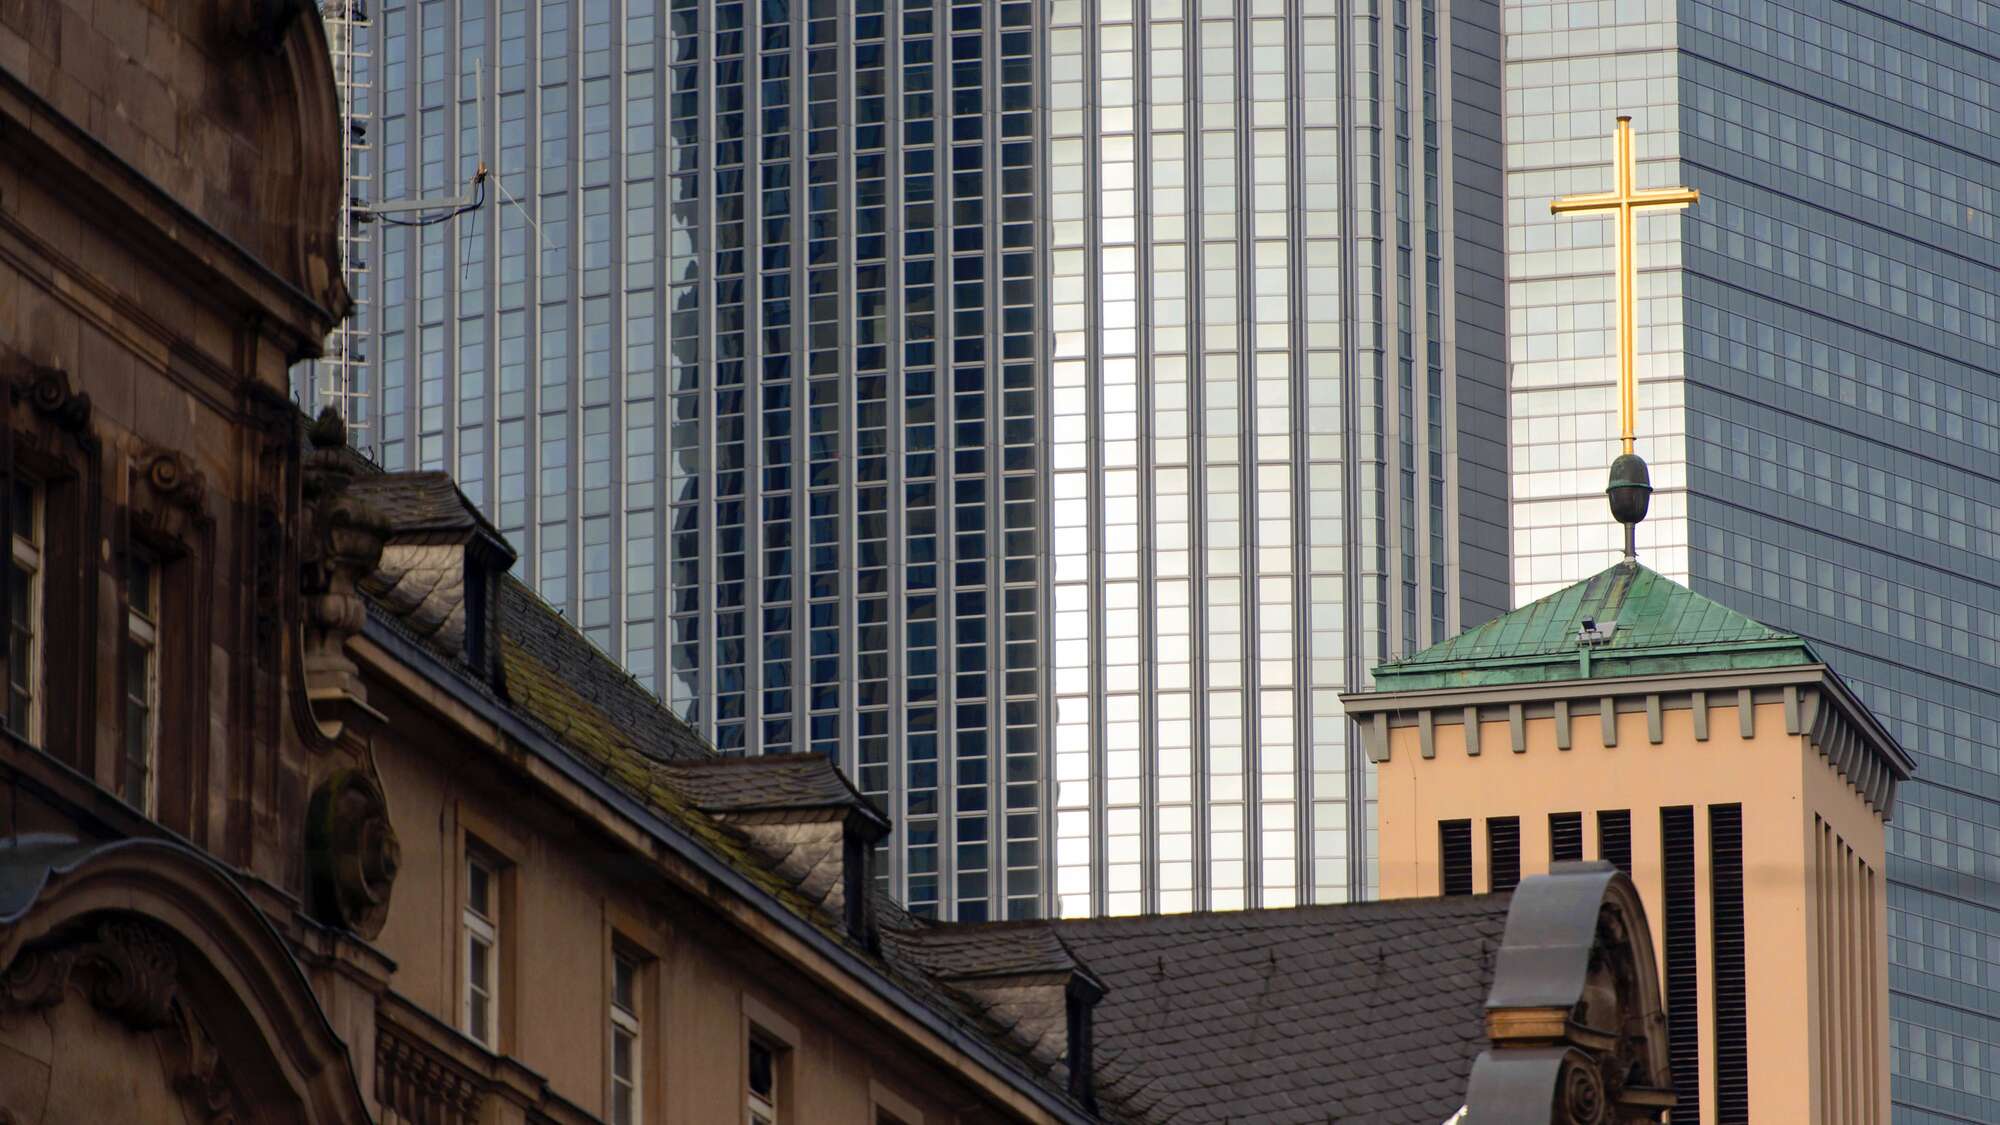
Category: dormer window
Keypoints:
(141, 671)
(24, 597)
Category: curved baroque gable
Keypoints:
(136, 974)
(1575, 1017)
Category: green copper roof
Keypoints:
(1662, 628)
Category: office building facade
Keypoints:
(1817, 342)
(904, 382)
(1275, 426)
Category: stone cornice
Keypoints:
(129, 206)
(1817, 705)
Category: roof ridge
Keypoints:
(1647, 623)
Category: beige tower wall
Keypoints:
(1809, 1028)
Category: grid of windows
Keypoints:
(1218, 218)
(744, 359)
(786, 259)
(1817, 337)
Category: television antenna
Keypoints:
(339, 377)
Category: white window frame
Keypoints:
(28, 557)
(625, 1023)
(144, 631)
(482, 929)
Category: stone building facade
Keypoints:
(309, 812)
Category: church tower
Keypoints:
(1719, 763)
(1722, 766)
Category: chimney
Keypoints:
(1079, 1002)
(858, 836)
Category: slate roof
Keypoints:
(1365, 1012)
(420, 502)
(1663, 628)
(555, 674)
(767, 782)
(1369, 1012)
(423, 584)
(972, 952)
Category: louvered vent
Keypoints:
(1614, 839)
(1455, 854)
(1565, 836)
(1683, 975)
(1503, 852)
(1732, 1033)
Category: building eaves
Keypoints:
(584, 747)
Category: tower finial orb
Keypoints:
(1630, 493)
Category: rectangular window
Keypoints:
(142, 681)
(1455, 856)
(24, 597)
(1565, 837)
(1732, 1032)
(1503, 853)
(626, 1061)
(1614, 839)
(482, 950)
(762, 1094)
(1683, 974)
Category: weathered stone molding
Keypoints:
(351, 852)
(169, 494)
(48, 392)
(128, 968)
(161, 939)
(413, 1083)
(1575, 1017)
(342, 543)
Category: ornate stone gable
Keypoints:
(138, 983)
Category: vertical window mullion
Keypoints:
(1503, 853)
(141, 684)
(1732, 1050)
(762, 1093)
(1455, 856)
(1683, 992)
(1565, 837)
(24, 593)
(482, 953)
(1614, 838)
(627, 1060)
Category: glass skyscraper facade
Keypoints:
(1818, 346)
(1043, 408)
(1276, 421)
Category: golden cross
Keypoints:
(1623, 200)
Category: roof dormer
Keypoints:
(441, 566)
